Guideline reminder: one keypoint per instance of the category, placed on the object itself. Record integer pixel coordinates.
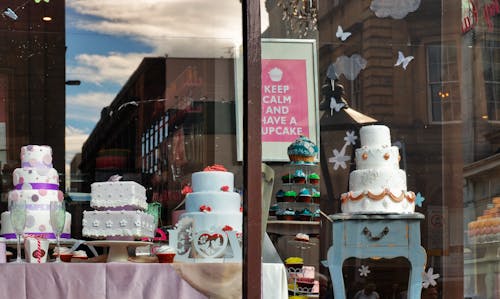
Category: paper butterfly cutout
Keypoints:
(341, 34)
(335, 105)
(10, 13)
(403, 60)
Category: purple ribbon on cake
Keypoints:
(40, 235)
(39, 186)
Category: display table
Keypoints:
(133, 280)
(377, 236)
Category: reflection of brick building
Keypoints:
(32, 82)
(169, 120)
(443, 109)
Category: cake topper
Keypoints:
(115, 178)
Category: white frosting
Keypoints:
(118, 194)
(212, 181)
(217, 201)
(165, 249)
(375, 136)
(377, 180)
(382, 157)
(62, 250)
(39, 156)
(28, 175)
(38, 183)
(214, 221)
(36, 199)
(378, 185)
(37, 222)
(209, 206)
(80, 254)
(102, 224)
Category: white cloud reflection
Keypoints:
(174, 28)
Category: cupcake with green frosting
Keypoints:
(315, 195)
(290, 196)
(287, 178)
(313, 179)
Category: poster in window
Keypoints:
(288, 94)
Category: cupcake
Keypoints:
(304, 195)
(273, 210)
(316, 215)
(290, 195)
(305, 285)
(80, 255)
(287, 178)
(302, 150)
(313, 178)
(305, 215)
(64, 253)
(315, 196)
(165, 254)
(287, 214)
(294, 264)
(299, 177)
(280, 196)
(302, 237)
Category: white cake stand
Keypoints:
(118, 250)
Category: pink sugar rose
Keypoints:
(42, 192)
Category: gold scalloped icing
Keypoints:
(410, 196)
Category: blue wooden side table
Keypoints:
(380, 236)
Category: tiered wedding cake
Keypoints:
(119, 212)
(37, 183)
(378, 185)
(212, 223)
(213, 204)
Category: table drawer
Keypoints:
(376, 233)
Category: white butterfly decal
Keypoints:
(341, 34)
(335, 105)
(403, 60)
(10, 13)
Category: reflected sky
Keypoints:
(106, 41)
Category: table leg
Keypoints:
(418, 259)
(335, 262)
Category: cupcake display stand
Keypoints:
(299, 282)
(300, 194)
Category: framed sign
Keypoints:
(289, 96)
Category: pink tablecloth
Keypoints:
(124, 280)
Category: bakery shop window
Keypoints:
(443, 84)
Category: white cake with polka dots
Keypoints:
(377, 185)
(37, 183)
(119, 213)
